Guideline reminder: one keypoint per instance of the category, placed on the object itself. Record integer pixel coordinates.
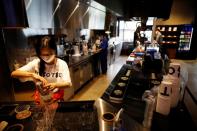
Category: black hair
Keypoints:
(44, 42)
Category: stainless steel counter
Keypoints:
(75, 60)
(128, 123)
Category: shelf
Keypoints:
(169, 42)
(176, 38)
(168, 28)
(184, 42)
(170, 36)
(170, 31)
(183, 50)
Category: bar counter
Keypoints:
(73, 60)
(73, 116)
(89, 115)
(75, 110)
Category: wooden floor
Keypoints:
(95, 88)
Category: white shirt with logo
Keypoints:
(53, 73)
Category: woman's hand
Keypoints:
(39, 78)
(59, 85)
(50, 86)
(154, 42)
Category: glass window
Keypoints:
(127, 29)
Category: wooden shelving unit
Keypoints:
(171, 36)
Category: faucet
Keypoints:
(117, 124)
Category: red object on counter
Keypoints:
(37, 97)
(56, 96)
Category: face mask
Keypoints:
(48, 59)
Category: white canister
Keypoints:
(85, 49)
(175, 91)
(76, 49)
(163, 104)
(164, 98)
(175, 94)
(60, 50)
(165, 88)
(175, 97)
(150, 105)
(174, 69)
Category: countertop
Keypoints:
(79, 112)
(131, 117)
(75, 60)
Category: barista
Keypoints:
(137, 35)
(139, 47)
(47, 68)
(158, 40)
(158, 37)
(104, 52)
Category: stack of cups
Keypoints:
(174, 77)
(164, 98)
(150, 105)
